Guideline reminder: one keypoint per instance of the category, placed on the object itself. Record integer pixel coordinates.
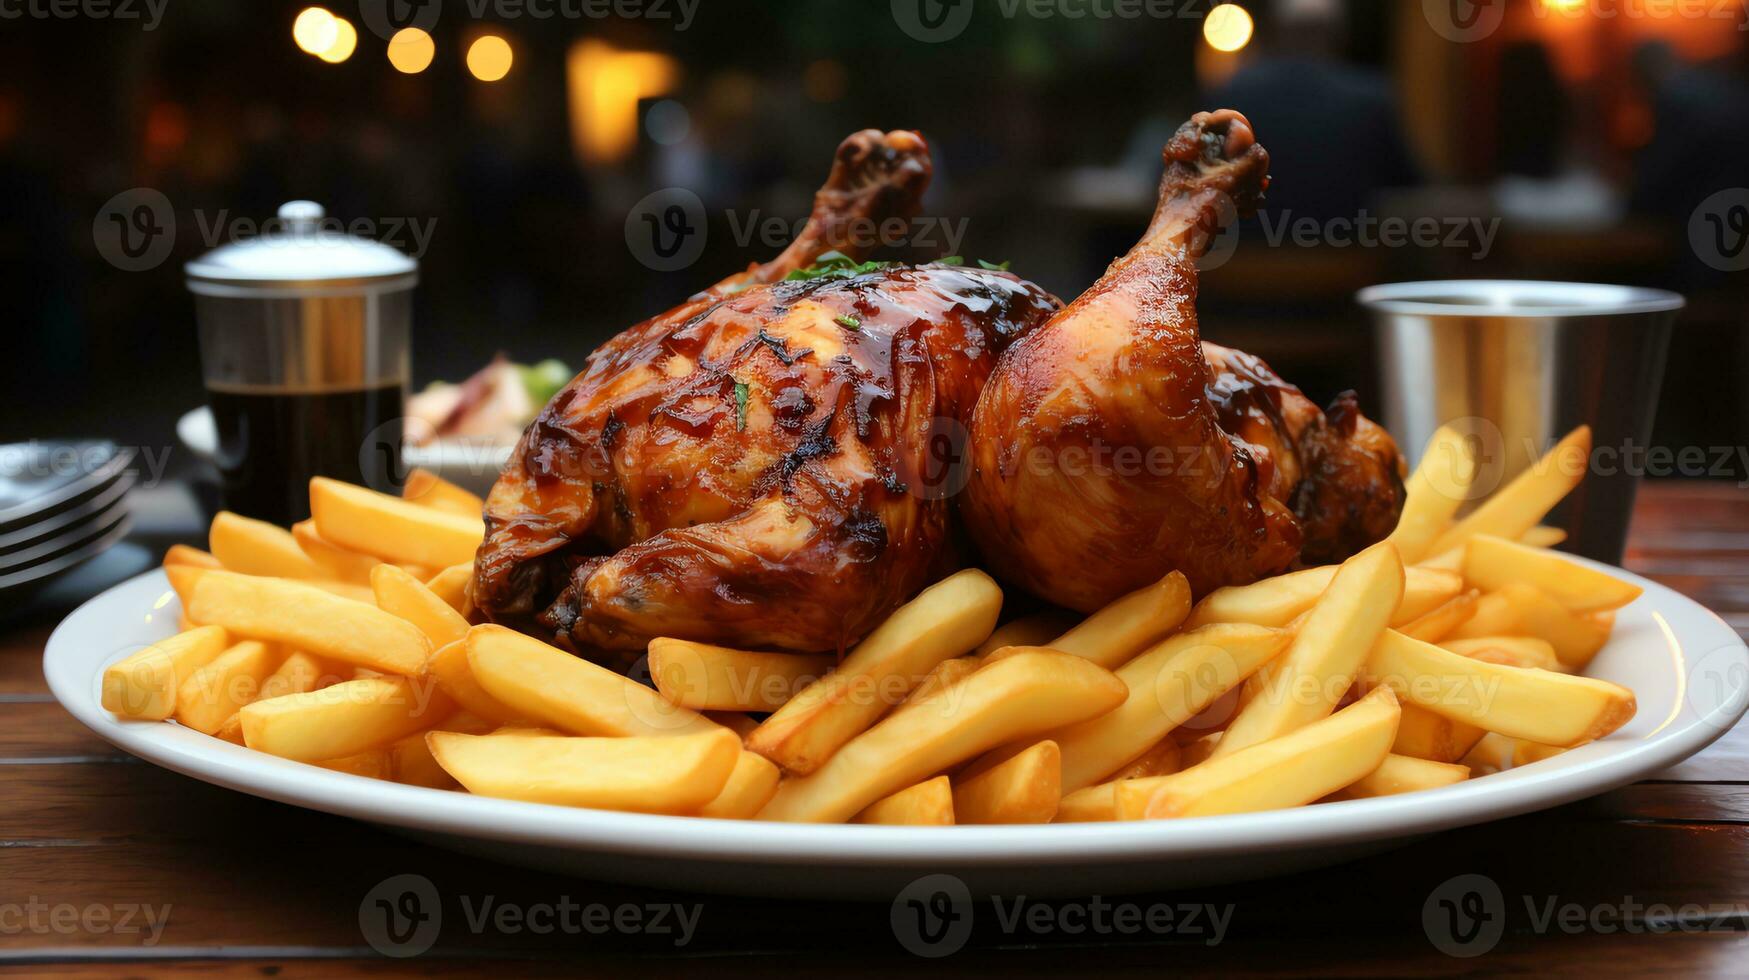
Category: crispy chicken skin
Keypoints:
(754, 468)
(1111, 445)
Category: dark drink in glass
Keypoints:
(271, 441)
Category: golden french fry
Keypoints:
(1326, 654)
(927, 804)
(411, 762)
(215, 692)
(1575, 637)
(1403, 774)
(1517, 507)
(1090, 804)
(1020, 695)
(1036, 630)
(144, 684)
(370, 763)
(451, 585)
(305, 617)
(1304, 765)
(547, 684)
(297, 673)
(1449, 560)
(1434, 492)
(181, 554)
(252, 547)
(391, 528)
(232, 730)
(1280, 600)
(1023, 789)
(1493, 563)
(676, 774)
(1129, 624)
(944, 621)
(1542, 536)
(739, 722)
(1422, 734)
(1513, 651)
(1540, 705)
(336, 562)
(703, 676)
(1168, 685)
(1164, 759)
(400, 594)
(448, 667)
(939, 677)
(1444, 619)
(1491, 754)
(749, 788)
(342, 719)
(1525, 752)
(427, 489)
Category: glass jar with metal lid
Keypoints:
(304, 343)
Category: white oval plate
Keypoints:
(1689, 670)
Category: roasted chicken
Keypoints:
(760, 466)
(1112, 445)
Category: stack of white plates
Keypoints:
(61, 503)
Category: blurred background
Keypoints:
(507, 145)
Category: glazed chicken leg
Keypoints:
(1111, 445)
(748, 468)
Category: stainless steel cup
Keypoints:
(305, 351)
(1515, 365)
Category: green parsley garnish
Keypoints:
(741, 406)
(834, 265)
(1001, 266)
(848, 321)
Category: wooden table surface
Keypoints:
(90, 837)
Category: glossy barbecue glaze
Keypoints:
(765, 472)
(1111, 446)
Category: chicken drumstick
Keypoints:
(1111, 445)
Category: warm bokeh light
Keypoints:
(1227, 27)
(345, 42)
(825, 80)
(411, 50)
(605, 85)
(1564, 6)
(315, 30)
(489, 58)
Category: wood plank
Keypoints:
(1618, 954)
(21, 660)
(34, 730)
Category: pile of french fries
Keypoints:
(1450, 650)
